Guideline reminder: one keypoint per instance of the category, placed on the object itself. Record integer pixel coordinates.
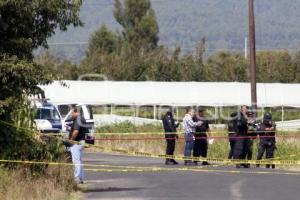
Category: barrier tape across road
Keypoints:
(199, 159)
(161, 156)
(136, 169)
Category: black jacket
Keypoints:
(201, 130)
(169, 123)
(242, 125)
(261, 131)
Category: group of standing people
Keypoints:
(195, 127)
(242, 128)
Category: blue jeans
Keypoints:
(189, 145)
(77, 151)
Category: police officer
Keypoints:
(232, 132)
(252, 126)
(200, 143)
(170, 134)
(266, 131)
(241, 143)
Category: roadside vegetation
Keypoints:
(55, 184)
(24, 28)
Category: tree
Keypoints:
(275, 67)
(104, 41)
(26, 24)
(225, 66)
(138, 20)
(126, 56)
(63, 69)
(19, 78)
(296, 61)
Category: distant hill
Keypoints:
(224, 24)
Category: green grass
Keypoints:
(128, 127)
(287, 148)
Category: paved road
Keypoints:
(207, 183)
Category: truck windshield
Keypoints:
(47, 113)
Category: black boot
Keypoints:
(246, 165)
(205, 163)
(273, 166)
(174, 162)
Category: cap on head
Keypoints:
(267, 117)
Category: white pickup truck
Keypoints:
(52, 118)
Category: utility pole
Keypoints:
(252, 56)
(246, 48)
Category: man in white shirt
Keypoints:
(189, 129)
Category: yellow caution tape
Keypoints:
(113, 168)
(196, 170)
(199, 159)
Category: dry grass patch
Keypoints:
(56, 184)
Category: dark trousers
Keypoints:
(232, 144)
(171, 142)
(249, 149)
(267, 146)
(240, 148)
(200, 148)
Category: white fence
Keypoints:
(103, 120)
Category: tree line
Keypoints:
(134, 54)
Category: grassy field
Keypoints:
(287, 148)
(57, 184)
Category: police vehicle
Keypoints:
(47, 118)
(52, 118)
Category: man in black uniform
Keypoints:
(252, 126)
(241, 144)
(266, 131)
(232, 132)
(200, 143)
(170, 134)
